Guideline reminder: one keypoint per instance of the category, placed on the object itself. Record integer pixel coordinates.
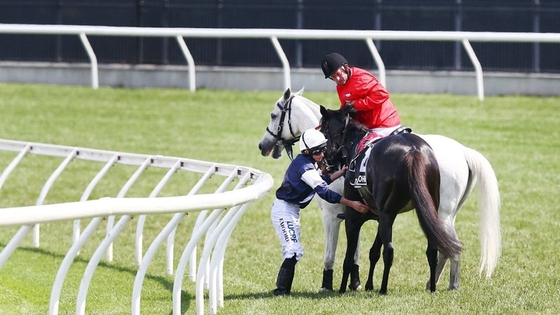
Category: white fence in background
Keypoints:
(274, 34)
(218, 214)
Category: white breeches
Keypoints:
(285, 219)
(384, 132)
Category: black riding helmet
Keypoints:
(331, 63)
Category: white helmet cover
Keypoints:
(311, 139)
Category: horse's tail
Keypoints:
(489, 209)
(422, 173)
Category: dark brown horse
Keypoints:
(402, 174)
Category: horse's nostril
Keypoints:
(260, 146)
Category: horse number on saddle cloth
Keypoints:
(362, 159)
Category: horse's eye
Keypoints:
(273, 116)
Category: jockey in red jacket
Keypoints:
(359, 88)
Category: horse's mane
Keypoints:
(353, 125)
(306, 100)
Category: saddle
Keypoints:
(357, 166)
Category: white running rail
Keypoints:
(274, 35)
(219, 213)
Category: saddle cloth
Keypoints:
(357, 177)
(361, 156)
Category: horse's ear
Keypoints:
(287, 94)
(324, 111)
(300, 92)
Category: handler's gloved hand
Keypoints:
(348, 106)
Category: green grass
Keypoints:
(517, 134)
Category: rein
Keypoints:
(287, 143)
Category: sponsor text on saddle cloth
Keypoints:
(361, 156)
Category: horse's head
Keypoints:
(288, 120)
(339, 129)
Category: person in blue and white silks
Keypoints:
(302, 181)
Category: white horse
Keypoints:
(461, 168)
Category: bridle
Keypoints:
(337, 148)
(287, 143)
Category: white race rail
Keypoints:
(218, 215)
(274, 34)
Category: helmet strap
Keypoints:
(305, 142)
(347, 69)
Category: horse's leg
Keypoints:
(451, 200)
(353, 223)
(454, 272)
(355, 284)
(331, 226)
(348, 267)
(386, 233)
(374, 255)
(488, 204)
(456, 185)
(441, 261)
(447, 212)
(455, 263)
(344, 281)
(432, 256)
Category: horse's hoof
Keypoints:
(323, 290)
(355, 288)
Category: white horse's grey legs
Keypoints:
(441, 261)
(455, 272)
(455, 262)
(331, 226)
(331, 223)
(454, 190)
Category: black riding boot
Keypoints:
(285, 277)
(327, 280)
